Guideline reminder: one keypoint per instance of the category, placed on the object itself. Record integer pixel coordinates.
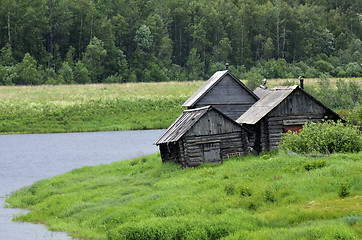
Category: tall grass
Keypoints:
(266, 197)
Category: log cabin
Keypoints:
(279, 110)
(203, 135)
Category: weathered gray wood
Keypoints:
(311, 116)
(234, 111)
(295, 122)
(225, 91)
(213, 123)
(298, 103)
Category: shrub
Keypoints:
(269, 196)
(229, 188)
(310, 165)
(324, 137)
(243, 190)
(253, 77)
(352, 116)
(343, 190)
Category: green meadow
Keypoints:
(84, 108)
(272, 196)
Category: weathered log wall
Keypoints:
(233, 144)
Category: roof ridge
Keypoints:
(197, 109)
(278, 88)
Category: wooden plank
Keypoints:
(275, 135)
(289, 117)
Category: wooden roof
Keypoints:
(270, 99)
(185, 121)
(261, 91)
(181, 125)
(209, 84)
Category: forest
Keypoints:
(115, 41)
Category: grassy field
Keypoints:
(102, 107)
(274, 196)
(310, 81)
(99, 107)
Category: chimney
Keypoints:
(301, 80)
(227, 66)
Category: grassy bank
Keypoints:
(267, 197)
(104, 107)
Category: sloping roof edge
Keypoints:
(164, 137)
(210, 83)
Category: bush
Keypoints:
(229, 188)
(243, 190)
(324, 137)
(269, 196)
(352, 116)
(253, 78)
(343, 190)
(310, 165)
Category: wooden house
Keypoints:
(202, 135)
(279, 110)
(224, 92)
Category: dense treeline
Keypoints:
(66, 41)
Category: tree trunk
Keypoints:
(283, 47)
(9, 26)
(80, 39)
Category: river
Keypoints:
(27, 158)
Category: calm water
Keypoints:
(27, 158)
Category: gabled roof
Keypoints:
(185, 121)
(270, 99)
(209, 84)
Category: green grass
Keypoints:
(103, 107)
(89, 115)
(268, 197)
